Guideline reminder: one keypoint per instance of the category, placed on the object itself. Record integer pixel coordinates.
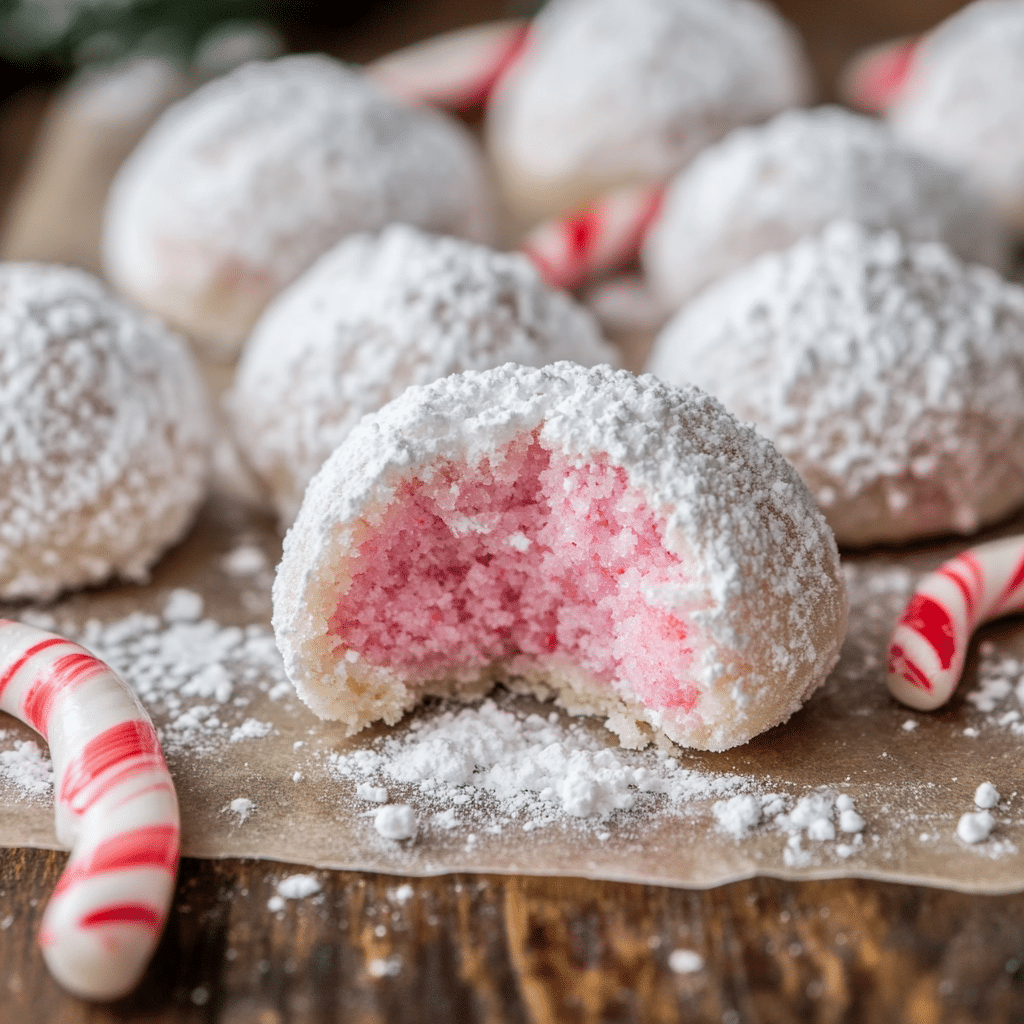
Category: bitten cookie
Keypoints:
(104, 434)
(890, 374)
(624, 545)
(375, 315)
(240, 187)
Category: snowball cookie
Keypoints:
(887, 372)
(963, 100)
(240, 187)
(763, 188)
(375, 315)
(103, 434)
(623, 544)
(617, 92)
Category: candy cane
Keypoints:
(874, 78)
(455, 71)
(115, 806)
(604, 236)
(929, 644)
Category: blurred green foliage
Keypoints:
(59, 34)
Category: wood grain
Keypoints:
(512, 949)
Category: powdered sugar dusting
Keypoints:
(964, 99)
(616, 90)
(743, 524)
(375, 315)
(761, 189)
(888, 373)
(298, 887)
(104, 434)
(238, 188)
(497, 768)
(998, 697)
(242, 808)
(25, 768)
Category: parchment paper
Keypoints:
(910, 784)
(850, 738)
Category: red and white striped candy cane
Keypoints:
(115, 805)
(454, 71)
(874, 78)
(929, 644)
(603, 236)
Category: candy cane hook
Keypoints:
(874, 79)
(606, 235)
(115, 805)
(929, 644)
(455, 71)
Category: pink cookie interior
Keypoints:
(533, 553)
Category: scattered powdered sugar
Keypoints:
(395, 821)
(813, 818)
(183, 606)
(298, 887)
(242, 808)
(739, 814)
(25, 768)
(976, 826)
(685, 961)
(384, 967)
(998, 696)
(251, 729)
(497, 768)
(244, 560)
(887, 372)
(194, 675)
(402, 894)
(533, 768)
(986, 796)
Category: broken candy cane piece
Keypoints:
(455, 71)
(875, 77)
(929, 644)
(603, 236)
(115, 806)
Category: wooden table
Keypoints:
(463, 949)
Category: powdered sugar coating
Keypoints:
(240, 187)
(762, 591)
(614, 92)
(761, 189)
(888, 373)
(964, 100)
(103, 434)
(375, 315)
